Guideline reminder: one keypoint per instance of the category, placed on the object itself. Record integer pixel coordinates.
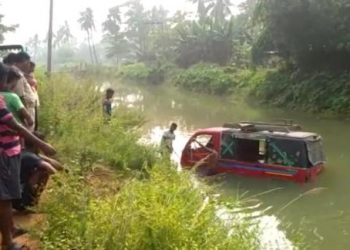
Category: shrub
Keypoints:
(154, 74)
(71, 113)
(136, 71)
(164, 211)
(205, 78)
(315, 92)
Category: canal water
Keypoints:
(321, 209)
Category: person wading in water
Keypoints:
(168, 137)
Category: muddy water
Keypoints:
(322, 215)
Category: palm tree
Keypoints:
(113, 22)
(202, 9)
(4, 29)
(33, 44)
(87, 24)
(118, 45)
(63, 35)
(49, 40)
(219, 10)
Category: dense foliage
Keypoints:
(143, 73)
(322, 92)
(153, 35)
(68, 104)
(313, 92)
(203, 78)
(5, 28)
(310, 34)
(136, 71)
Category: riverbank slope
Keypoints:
(321, 92)
(144, 203)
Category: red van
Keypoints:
(258, 149)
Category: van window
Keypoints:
(315, 152)
(246, 150)
(228, 147)
(287, 152)
(202, 140)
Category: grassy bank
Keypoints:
(143, 203)
(314, 92)
(318, 92)
(71, 114)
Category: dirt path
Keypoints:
(27, 221)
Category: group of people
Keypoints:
(25, 165)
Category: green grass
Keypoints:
(205, 78)
(71, 114)
(136, 71)
(317, 92)
(162, 211)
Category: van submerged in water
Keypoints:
(258, 149)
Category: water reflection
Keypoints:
(325, 214)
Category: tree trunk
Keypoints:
(94, 49)
(90, 50)
(49, 41)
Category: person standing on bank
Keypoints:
(107, 103)
(23, 88)
(168, 137)
(33, 83)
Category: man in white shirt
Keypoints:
(168, 138)
(23, 88)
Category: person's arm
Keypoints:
(25, 117)
(14, 125)
(23, 101)
(21, 110)
(19, 90)
(56, 164)
(48, 167)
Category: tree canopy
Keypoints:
(310, 34)
(5, 28)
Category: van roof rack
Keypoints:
(10, 47)
(247, 126)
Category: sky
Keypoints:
(32, 15)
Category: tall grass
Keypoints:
(206, 78)
(316, 92)
(71, 113)
(163, 211)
